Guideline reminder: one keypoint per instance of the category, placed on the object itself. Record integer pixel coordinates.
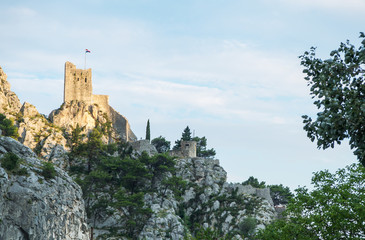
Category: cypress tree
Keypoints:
(148, 131)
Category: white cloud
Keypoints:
(342, 5)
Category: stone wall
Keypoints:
(121, 125)
(102, 101)
(78, 84)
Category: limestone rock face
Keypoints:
(85, 115)
(37, 132)
(32, 207)
(9, 102)
(214, 203)
(210, 202)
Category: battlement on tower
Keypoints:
(78, 84)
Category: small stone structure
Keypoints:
(144, 146)
(187, 149)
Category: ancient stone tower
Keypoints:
(187, 149)
(78, 86)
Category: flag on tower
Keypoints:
(87, 51)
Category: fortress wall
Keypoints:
(78, 84)
(102, 101)
(121, 125)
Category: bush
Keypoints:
(7, 127)
(247, 226)
(10, 161)
(48, 170)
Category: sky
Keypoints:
(227, 69)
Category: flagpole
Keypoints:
(85, 61)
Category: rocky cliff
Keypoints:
(209, 202)
(87, 116)
(9, 102)
(34, 207)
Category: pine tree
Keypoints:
(148, 131)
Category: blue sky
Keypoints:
(228, 69)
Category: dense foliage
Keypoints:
(11, 163)
(48, 170)
(7, 127)
(280, 194)
(334, 209)
(161, 144)
(337, 85)
(254, 182)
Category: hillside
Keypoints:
(126, 193)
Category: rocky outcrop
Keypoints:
(39, 134)
(210, 202)
(9, 102)
(34, 129)
(87, 116)
(33, 207)
(216, 204)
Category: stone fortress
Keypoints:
(78, 86)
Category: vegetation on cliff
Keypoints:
(7, 127)
(115, 182)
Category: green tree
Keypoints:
(148, 131)
(7, 127)
(334, 209)
(201, 148)
(185, 136)
(161, 144)
(48, 170)
(254, 182)
(157, 166)
(76, 137)
(135, 212)
(10, 161)
(280, 194)
(93, 148)
(337, 85)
